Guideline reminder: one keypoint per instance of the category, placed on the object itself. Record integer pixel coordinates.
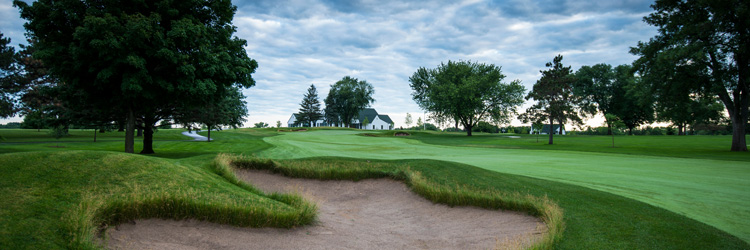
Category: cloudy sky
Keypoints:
(303, 42)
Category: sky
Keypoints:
(298, 43)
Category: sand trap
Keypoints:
(369, 214)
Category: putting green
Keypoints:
(711, 191)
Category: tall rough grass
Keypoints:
(452, 195)
(95, 213)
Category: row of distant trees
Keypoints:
(126, 64)
(695, 68)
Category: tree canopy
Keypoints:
(7, 71)
(229, 111)
(309, 111)
(467, 92)
(555, 100)
(709, 41)
(142, 59)
(346, 98)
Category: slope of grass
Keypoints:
(714, 147)
(54, 200)
(711, 191)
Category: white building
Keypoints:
(545, 129)
(368, 118)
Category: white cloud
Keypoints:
(299, 42)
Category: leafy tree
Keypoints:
(467, 92)
(260, 125)
(613, 122)
(707, 40)
(554, 96)
(309, 112)
(347, 97)
(143, 60)
(58, 132)
(408, 120)
(419, 123)
(633, 103)
(365, 122)
(7, 71)
(537, 127)
(485, 127)
(229, 111)
(278, 124)
(595, 84)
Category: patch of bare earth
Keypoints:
(369, 214)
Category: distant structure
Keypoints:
(545, 129)
(374, 121)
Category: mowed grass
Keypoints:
(60, 200)
(591, 219)
(714, 192)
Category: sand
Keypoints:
(369, 214)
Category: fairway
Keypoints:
(711, 191)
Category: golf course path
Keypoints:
(368, 214)
(194, 134)
(715, 192)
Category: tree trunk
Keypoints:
(209, 133)
(738, 133)
(551, 133)
(679, 129)
(148, 137)
(94, 135)
(468, 130)
(630, 131)
(140, 131)
(129, 135)
(120, 127)
(609, 129)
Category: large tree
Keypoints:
(632, 102)
(309, 111)
(595, 84)
(7, 81)
(346, 98)
(706, 37)
(469, 92)
(143, 59)
(554, 98)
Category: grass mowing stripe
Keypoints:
(710, 191)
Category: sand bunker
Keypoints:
(369, 214)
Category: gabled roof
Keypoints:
(368, 113)
(386, 119)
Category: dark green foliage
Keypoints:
(260, 125)
(7, 71)
(229, 111)
(345, 100)
(555, 99)
(466, 92)
(141, 59)
(701, 49)
(485, 127)
(309, 111)
(615, 91)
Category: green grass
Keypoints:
(453, 194)
(610, 200)
(592, 219)
(695, 146)
(711, 191)
(54, 200)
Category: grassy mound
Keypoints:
(61, 199)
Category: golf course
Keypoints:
(633, 196)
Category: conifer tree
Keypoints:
(309, 110)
